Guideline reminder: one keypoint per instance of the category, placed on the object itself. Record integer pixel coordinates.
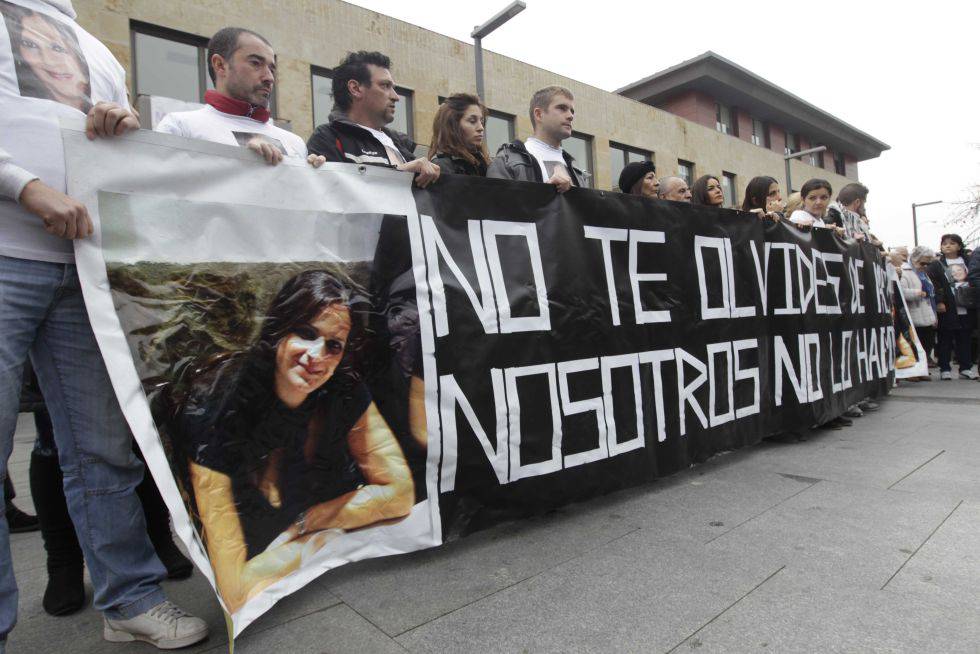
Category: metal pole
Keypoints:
(789, 181)
(915, 222)
(478, 51)
(915, 227)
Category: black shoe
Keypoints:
(178, 566)
(19, 522)
(846, 422)
(65, 593)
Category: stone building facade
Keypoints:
(311, 36)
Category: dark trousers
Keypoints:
(927, 336)
(959, 339)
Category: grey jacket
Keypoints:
(513, 161)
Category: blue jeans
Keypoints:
(42, 315)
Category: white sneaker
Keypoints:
(946, 375)
(166, 626)
(969, 373)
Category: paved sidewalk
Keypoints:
(861, 540)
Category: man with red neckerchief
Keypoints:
(242, 65)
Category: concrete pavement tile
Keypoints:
(335, 630)
(850, 535)
(953, 475)
(401, 592)
(706, 505)
(877, 465)
(947, 566)
(639, 593)
(796, 611)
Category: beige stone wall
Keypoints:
(320, 32)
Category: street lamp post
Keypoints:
(915, 223)
(481, 31)
(797, 155)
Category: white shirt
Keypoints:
(549, 157)
(804, 219)
(394, 156)
(209, 124)
(31, 104)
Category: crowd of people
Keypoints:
(85, 473)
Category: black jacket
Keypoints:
(458, 166)
(345, 141)
(945, 295)
(513, 161)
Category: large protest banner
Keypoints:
(322, 366)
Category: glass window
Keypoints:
(323, 103)
(620, 155)
(815, 159)
(169, 67)
(728, 188)
(792, 143)
(580, 147)
(685, 170)
(723, 118)
(840, 166)
(499, 130)
(322, 98)
(758, 132)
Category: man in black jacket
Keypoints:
(364, 103)
(541, 158)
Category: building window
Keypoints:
(169, 63)
(322, 81)
(685, 170)
(759, 133)
(728, 188)
(620, 155)
(580, 147)
(815, 159)
(840, 167)
(723, 118)
(499, 130)
(792, 143)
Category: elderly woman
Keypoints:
(920, 258)
(921, 313)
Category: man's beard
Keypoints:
(250, 95)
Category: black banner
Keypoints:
(589, 341)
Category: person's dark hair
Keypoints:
(299, 302)
(851, 192)
(633, 173)
(955, 238)
(542, 99)
(225, 42)
(757, 192)
(812, 185)
(354, 66)
(699, 191)
(447, 136)
(29, 84)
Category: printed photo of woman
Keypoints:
(284, 446)
(48, 59)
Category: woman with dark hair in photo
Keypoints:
(640, 178)
(285, 446)
(48, 59)
(762, 197)
(707, 191)
(458, 136)
(948, 273)
(816, 197)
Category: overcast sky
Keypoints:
(905, 73)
